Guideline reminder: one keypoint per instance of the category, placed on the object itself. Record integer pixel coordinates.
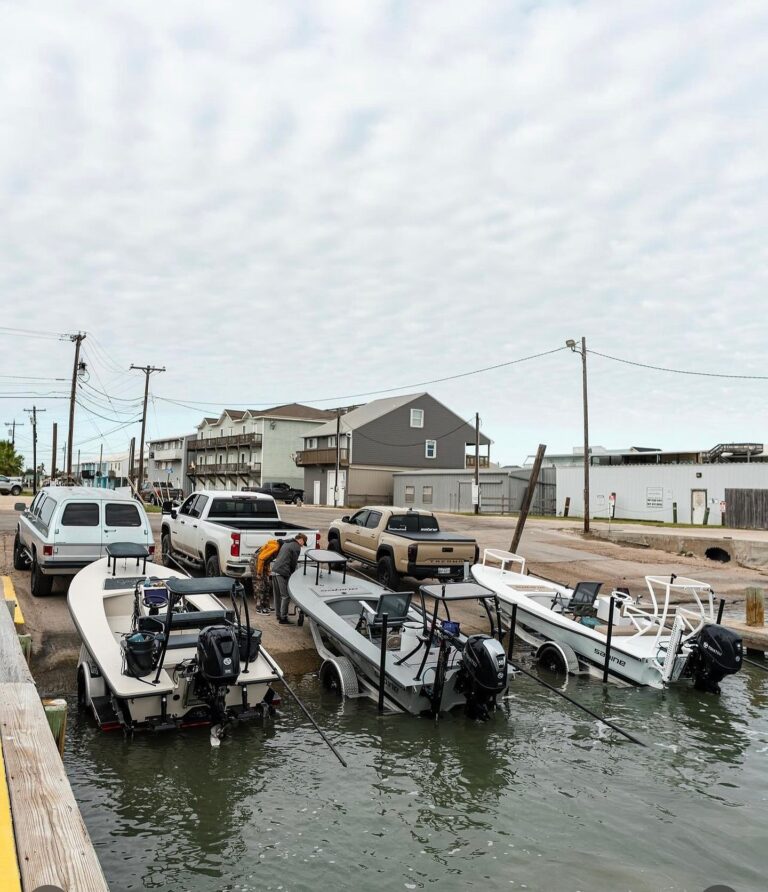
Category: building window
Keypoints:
(426, 495)
(410, 493)
(331, 442)
(417, 418)
(312, 443)
(430, 449)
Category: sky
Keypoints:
(313, 201)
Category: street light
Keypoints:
(572, 345)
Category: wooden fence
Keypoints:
(746, 509)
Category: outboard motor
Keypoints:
(484, 664)
(218, 665)
(716, 652)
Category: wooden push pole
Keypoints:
(528, 497)
(755, 607)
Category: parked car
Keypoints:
(280, 492)
(401, 542)
(156, 494)
(218, 531)
(68, 527)
(11, 485)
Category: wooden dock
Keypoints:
(43, 839)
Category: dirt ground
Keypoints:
(553, 548)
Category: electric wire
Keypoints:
(659, 368)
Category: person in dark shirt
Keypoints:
(283, 565)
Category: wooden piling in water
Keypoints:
(755, 606)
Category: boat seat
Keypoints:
(582, 601)
(395, 604)
(192, 619)
(179, 642)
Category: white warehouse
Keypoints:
(651, 491)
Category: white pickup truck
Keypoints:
(217, 531)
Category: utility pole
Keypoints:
(338, 459)
(101, 454)
(53, 451)
(77, 340)
(528, 497)
(131, 455)
(477, 462)
(33, 412)
(147, 369)
(583, 352)
(12, 426)
(78, 464)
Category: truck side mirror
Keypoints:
(19, 506)
(345, 519)
(167, 506)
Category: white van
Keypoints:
(68, 527)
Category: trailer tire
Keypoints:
(557, 657)
(338, 675)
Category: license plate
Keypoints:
(443, 571)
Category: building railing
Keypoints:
(250, 468)
(470, 461)
(321, 457)
(216, 442)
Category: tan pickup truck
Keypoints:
(401, 542)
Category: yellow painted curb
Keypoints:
(10, 595)
(9, 865)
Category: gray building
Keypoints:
(373, 441)
(501, 490)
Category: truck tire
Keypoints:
(16, 490)
(39, 584)
(19, 561)
(165, 550)
(334, 544)
(212, 567)
(386, 573)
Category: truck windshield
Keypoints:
(240, 509)
(413, 523)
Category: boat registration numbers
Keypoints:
(443, 571)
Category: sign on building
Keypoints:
(654, 497)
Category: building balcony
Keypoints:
(469, 461)
(250, 469)
(218, 442)
(163, 455)
(322, 457)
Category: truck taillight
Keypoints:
(151, 550)
(317, 540)
(234, 548)
(48, 550)
(412, 549)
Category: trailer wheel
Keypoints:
(81, 692)
(557, 658)
(338, 675)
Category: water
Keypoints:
(541, 797)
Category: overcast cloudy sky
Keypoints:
(311, 200)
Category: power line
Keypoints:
(31, 333)
(659, 368)
(195, 404)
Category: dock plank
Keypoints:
(52, 841)
(13, 665)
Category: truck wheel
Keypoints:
(15, 490)
(334, 544)
(165, 549)
(19, 561)
(39, 584)
(212, 567)
(386, 573)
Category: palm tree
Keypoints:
(11, 463)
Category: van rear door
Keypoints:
(125, 522)
(77, 532)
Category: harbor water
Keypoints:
(541, 797)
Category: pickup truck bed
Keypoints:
(431, 537)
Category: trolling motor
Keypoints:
(483, 674)
(715, 653)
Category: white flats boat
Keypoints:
(163, 651)
(652, 643)
(376, 643)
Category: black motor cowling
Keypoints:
(717, 652)
(218, 655)
(484, 664)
